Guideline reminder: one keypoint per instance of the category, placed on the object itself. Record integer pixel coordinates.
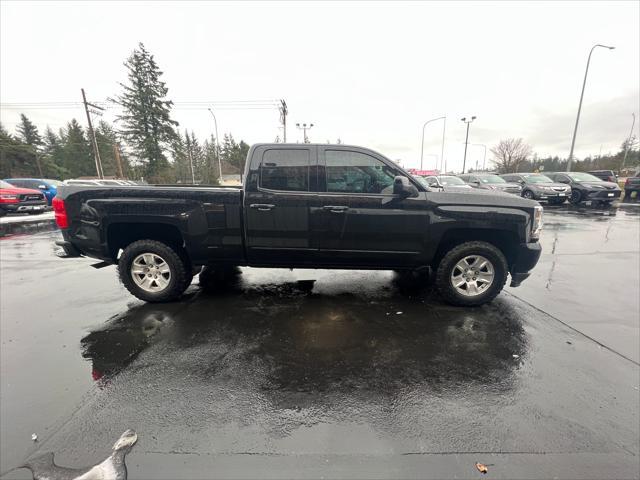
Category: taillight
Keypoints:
(60, 212)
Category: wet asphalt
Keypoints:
(313, 373)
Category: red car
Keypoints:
(20, 200)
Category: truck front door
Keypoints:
(279, 192)
(358, 221)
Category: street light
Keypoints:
(484, 158)
(444, 128)
(215, 124)
(584, 82)
(466, 142)
(304, 128)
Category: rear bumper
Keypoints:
(527, 256)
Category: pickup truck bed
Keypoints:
(311, 206)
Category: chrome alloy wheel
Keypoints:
(150, 272)
(472, 275)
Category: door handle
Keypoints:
(263, 207)
(336, 208)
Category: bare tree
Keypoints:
(509, 154)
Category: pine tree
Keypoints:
(146, 123)
(181, 166)
(28, 132)
(77, 157)
(16, 158)
(211, 168)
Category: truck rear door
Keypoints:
(278, 195)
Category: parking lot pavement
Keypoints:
(22, 218)
(322, 373)
(589, 273)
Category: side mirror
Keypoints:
(403, 187)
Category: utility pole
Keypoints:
(283, 118)
(466, 142)
(584, 83)
(628, 145)
(304, 129)
(94, 142)
(116, 154)
(215, 125)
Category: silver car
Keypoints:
(540, 187)
(489, 181)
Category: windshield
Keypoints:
(449, 180)
(491, 179)
(4, 184)
(537, 179)
(583, 177)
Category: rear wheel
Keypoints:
(472, 273)
(154, 271)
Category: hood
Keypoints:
(480, 198)
(607, 185)
(457, 187)
(19, 191)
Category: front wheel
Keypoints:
(471, 274)
(576, 197)
(153, 271)
(528, 194)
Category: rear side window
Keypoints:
(285, 169)
(355, 172)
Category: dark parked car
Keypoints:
(48, 187)
(447, 183)
(489, 181)
(606, 175)
(540, 187)
(20, 200)
(632, 184)
(305, 206)
(585, 186)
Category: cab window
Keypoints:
(285, 169)
(356, 172)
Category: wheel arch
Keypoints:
(504, 240)
(120, 234)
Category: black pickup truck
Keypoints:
(305, 206)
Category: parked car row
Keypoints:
(552, 187)
(35, 195)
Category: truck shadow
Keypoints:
(292, 339)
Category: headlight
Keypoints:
(596, 187)
(536, 226)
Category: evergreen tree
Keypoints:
(28, 132)
(77, 155)
(181, 168)
(233, 155)
(17, 159)
(146, 123)
(211, 168)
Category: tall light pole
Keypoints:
(628, 145)
(215, 124)
(584, 82)
(443, 132)
(484, 158)
(304, 128)
(466, 142)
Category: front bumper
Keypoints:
(24, 207)
(604, 194)
(527, 256)
(550, 195)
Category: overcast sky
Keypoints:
(368, 73)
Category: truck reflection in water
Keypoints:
(291, 338)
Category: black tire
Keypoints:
(576, 197)
(528, 194)
(447, 264)
(179, 268)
